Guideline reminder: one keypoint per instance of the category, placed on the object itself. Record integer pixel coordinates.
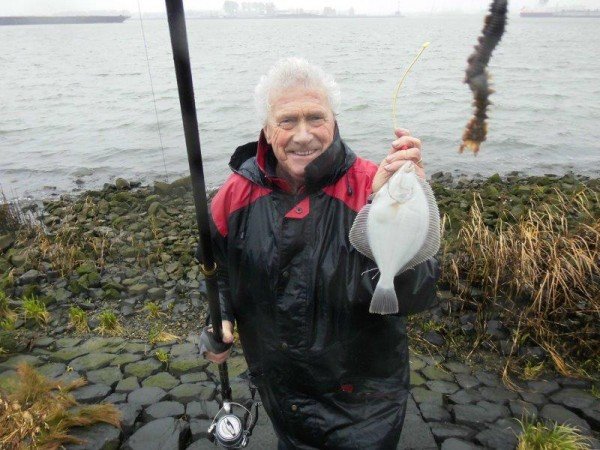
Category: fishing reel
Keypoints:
(228, 430)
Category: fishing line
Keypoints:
(395, 96)
(153, 95)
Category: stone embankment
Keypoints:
(127, 247)
(452, 405)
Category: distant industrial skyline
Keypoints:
(44, 7)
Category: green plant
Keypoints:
(109, 324)
(153, 310)
(532, 370)
(162, 356)
(3, 304)
(36, 412)
(34, 309)
(7, 324)
(7, 316)
(78, 319)
(539, 436)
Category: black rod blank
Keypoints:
(183, 71)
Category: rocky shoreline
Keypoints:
(125, 247)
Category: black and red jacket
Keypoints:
(330, 374)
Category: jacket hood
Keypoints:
(256, 161)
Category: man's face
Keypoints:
(300, 127)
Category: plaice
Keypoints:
(398, 230)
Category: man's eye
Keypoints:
(287, 123)
(316, 120)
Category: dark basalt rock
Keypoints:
(163, 434)
(98, 437)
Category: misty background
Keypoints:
(78, 108)
(37, 7)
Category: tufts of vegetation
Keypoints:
(541, 270)
(532, 370)
(11, 217)
(36, 412)
(158, 334)
(7, 316)
(153, 310)
(539, 436)
(35, 309)
(78, 320)
(109, 324)
(162, 356)
(68, 244)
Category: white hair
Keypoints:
(292, 72)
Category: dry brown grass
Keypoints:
(65, 244)
(542, 270)
(66, 248)
(38, 413)
(11, 217)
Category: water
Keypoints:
(77, 105)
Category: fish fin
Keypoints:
(359, 238)
(384, 300)
(432, 241)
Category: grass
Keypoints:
(153, 310)
(11, 217)
(66, 244)
(78, 320)
(35, 309)
(158, 334)
(532, 370)
(539, 436)
(7, 316)
(162, 356)
(36, 412)
(109, 324)
(539, 271)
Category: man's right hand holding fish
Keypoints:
(404, 148)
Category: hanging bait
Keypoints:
(477, 76)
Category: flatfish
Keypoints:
(398, 230)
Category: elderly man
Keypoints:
(330, 374)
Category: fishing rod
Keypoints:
(227, 429)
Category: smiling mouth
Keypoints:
(303, 152)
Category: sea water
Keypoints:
(77, 107)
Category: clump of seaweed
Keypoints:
(476, 75)
(36, 412)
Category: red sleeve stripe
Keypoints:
(236, 193)
(360, 178)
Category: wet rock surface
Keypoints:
(171, 409)
(151, 235)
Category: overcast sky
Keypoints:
(25, 7)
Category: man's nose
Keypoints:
(302, 134)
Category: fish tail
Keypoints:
(384, 300)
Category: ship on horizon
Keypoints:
(543, 11)
(56, 20)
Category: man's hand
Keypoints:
(227, 339)
(404, 148)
